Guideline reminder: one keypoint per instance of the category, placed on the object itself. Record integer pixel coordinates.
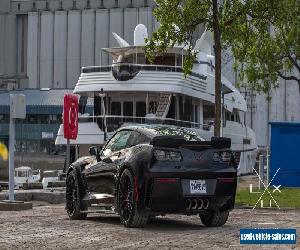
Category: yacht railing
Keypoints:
(131, 67)
(114, 122)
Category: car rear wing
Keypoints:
(175, 141)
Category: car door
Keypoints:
(100, 177)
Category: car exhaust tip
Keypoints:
(188, 204)
(194, 204)
(206, 204)
(200, 203)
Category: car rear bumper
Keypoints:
(173, 195)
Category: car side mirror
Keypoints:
(94, 151)
(107, 160)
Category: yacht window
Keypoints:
(97, 105)
(227, 116)
(152, 107)
(165, 60)
(237, 118)
(178, 60)
(115, 108)
(180, 102)
(196, 108)
(128, 109)
(168, 59)
(140, 109)
(208, 111)
(188, 109)
(135, 58)
(172, 108)
(141, 59)
(82, 104)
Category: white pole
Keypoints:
(67, 156)
(11, 154)
(104, 120)
(222, 115)
(261, 171)
(268, 164)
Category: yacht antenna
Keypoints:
(136, 55)
(101, 58)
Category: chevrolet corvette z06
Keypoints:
(149, 170)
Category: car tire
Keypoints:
(127, 204)
(74, 194)
(215, 218)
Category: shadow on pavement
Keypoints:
(164, 223)
(157, 224)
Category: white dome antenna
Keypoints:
(140, 33)
(120, 40)
(204, 43)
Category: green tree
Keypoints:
(267, 46)
(243, 26)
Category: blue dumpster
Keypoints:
(285, 154)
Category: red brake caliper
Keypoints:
(136, 189)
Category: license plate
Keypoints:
(197, 187)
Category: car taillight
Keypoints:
(224, 156)
(226, 180)
(167, 155)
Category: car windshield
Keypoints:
(187, 134)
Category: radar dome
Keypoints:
(140, 33)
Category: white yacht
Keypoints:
(131, 90)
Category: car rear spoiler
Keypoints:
(175, 141)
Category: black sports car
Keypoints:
(149, 170)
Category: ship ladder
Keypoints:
(163, 105)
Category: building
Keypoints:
(44, 44)
(38, 131)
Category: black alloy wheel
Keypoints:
(126, 198)
(73, 197)
(127, 204)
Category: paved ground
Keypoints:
(47, 227)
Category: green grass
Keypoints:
(288, 198)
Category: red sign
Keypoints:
(70, 116)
